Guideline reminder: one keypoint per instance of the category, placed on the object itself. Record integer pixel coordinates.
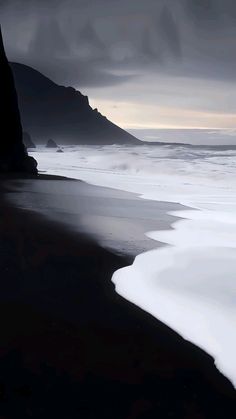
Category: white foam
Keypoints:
(191, 283)
(193, 291)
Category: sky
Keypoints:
(144, 64)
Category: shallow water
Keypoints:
(191, 283)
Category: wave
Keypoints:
(190, 283)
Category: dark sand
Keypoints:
(72, 348)
(118, 220)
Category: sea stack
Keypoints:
(13, 155)
(51, 144)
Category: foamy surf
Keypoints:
(190, 284)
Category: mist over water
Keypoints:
(189, 136)
(190, 284)
(164, 172)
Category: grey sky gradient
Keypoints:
(135, 56)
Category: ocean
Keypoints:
(190, 283)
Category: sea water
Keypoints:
(190, 284)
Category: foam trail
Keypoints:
(190, 284)
(190, 288)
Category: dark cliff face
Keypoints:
(13, 156)
(62, 113)
(27, 140)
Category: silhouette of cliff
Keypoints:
(13, 155)
(63, 113)
(27, 140)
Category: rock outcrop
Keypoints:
(27, 140)
(13, 155)
(52, 111)
(51, 144)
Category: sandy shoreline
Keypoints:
(118, 220)
(70, 346)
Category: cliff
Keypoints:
(62, 113)
(13, 155)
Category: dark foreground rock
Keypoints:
(13, 155)
(51, 144)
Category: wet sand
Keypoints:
(118, 220)
(71, 347)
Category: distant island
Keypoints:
(61, 113)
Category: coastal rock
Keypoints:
(51, 144)
(27, 140)
(13, 154)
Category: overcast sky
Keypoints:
(143, 63)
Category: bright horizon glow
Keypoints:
(128, 114)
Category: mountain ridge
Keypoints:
(49, 110)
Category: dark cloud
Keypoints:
(203, 10)
(169, 31)
(81, 61)
(105, 42)
(89, 35)
(48, 41)
(211, 10)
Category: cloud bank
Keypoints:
(112, 44)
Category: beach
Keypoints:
(116, 219)
(70, 345)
